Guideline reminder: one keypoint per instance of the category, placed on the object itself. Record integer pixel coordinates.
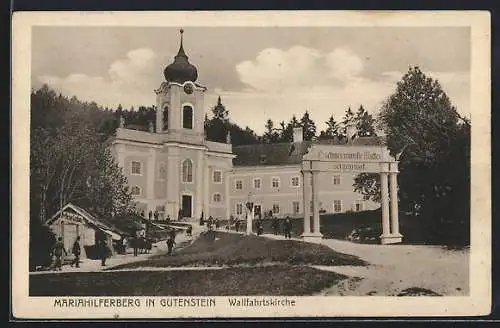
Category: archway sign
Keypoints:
(352, 159)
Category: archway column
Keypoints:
(310, 182)
(306, 178)
(384, 190)
(315, 194)
(390, 214)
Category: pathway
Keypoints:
(88, 265)
(392, 268)
(396, 267)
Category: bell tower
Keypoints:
(180, 100)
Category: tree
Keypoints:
(432, 142)
(286, 130)
(368, 184)
(107, 193)
(332, 129)
(241, 136)
(365, 123)
(64, 152)
(309, 127)
(217, 128)
(348, 118)
(271, 134)
(219, 111)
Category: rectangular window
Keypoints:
(239, 184)
(296, 207)
(358, 205)
(239, 209)
(295, 181)
(337, 206)
(257, 183)
(217, 176)
(276, 208)
(162, 171)
(275, 182)
(336, 179)
(136, 168)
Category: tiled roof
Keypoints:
(269, 154)
(287, 153)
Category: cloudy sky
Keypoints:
(260, 73)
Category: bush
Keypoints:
(41, 239)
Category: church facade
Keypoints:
(174, 170)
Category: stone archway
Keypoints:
(352, 159)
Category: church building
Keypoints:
(174, 169)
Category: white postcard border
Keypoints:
(479, 301)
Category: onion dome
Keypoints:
(180, 70)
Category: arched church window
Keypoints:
(165, 118)
(187, 117)
(187, 171)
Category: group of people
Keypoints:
(211, 223)
(287, 227)
(155, 216)
(58, 251)
(275, 225)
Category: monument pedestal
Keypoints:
(391, 239)
(312, 237)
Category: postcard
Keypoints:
(251, 164)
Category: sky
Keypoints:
(259, 72)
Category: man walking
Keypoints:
(104, 252)
(57, 251)
(275, 225)
(76, 252)
(135, 242)
(170, 245)
(287, 227)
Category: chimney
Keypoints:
(351, 131)
(298, 134)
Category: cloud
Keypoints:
(344, 64)
(279, 83)
(274, 70)
(130, 81)
(286, 82)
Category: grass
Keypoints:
(227, 249)
(281, 280)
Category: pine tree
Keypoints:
(309, 127)
(348, 118)
(270, 135)
(365, 123)
(219, 111)
(332, 129)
